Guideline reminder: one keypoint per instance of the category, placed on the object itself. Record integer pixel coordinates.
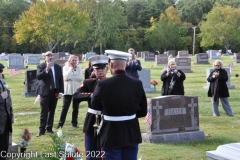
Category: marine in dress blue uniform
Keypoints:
(122, 100)
(100, 63)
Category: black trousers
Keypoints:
(4, 140)
(48, 106)
(67, 99)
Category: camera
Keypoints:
(133, 56)
(51, 59)
(172, 70)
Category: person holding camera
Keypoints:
(218, 88)
(50, 88)
(172, 80)
(133, 65)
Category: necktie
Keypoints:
(52, 86)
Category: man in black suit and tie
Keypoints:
(50, 88)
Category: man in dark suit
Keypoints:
(6, 116)
(50, 88)
(121, 100)
(133, 65)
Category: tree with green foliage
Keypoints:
(51, 22)
(221, 27)
(106, 20)
(9, 13)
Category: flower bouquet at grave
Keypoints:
(26, 137)
(63, 149)
(154, 83)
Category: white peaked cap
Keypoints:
(114, 54)
(98, 59)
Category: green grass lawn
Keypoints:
(222, 129)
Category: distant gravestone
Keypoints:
(12, 147)
(138, 55)
(60, 62)
(15, 61)
(184, 64)
(31, 83)
(89, 54)
(33, 59)
(55, 56)
(201, 58)
(183, 54)
(212, 54)
(173, 119)
(144, 76)
(171, 53)
(208, 71)
(225, 152)
(161, 59)
(237, 57)
(62, 55)
(149, 56)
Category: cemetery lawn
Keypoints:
(222, 130)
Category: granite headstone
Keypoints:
(161, 59)
(144, 76)
(15, 61)
(31, 83)
(183, 54)
(208, 71)
(201, 58)
(173, 119)
(184, 64)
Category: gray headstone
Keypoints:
(201, 58)
(33, 59)
(225, 152)
(15, 61)
(62, 55)
(183, 53)
(174, 119)
(161, 59)
(55, 56)
(144, 76)
(184, 64)
(208, 71)
(138, 55)
(212, 54)
(149, 56)
(89, 54)
(31, 83)
(237, 57)
(171, 53)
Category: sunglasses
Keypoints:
(49, 55)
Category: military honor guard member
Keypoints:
(100, 68)
(121, 100)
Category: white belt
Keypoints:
(94, 111)
(118, 118)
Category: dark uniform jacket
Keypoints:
(83, 94)
(120, 95)
(178, 88)
(45, 79)
(6, 111)
(222, 88)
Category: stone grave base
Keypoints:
(149, 90)
(13, 148)
(225, 152)
(174, 137)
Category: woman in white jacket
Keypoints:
(72, 76)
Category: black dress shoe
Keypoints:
(39, 134)
(50, 132)
(75, 126)
(59, 127)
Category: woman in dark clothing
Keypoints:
(218, 89)
(172, 80)
(89, 72)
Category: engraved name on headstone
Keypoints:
(201, 58)
(15, 61)
(161, 59)
(183, 53)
